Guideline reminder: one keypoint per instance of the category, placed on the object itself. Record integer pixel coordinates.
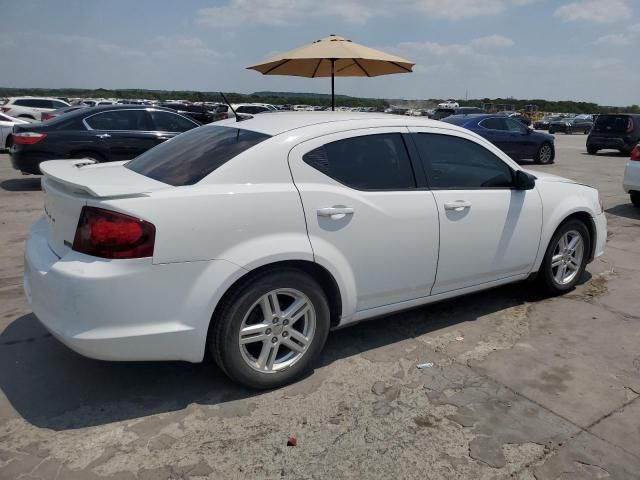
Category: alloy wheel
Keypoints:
(545, 154)
(277, 330)
(567, 257)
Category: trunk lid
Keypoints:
(68, 186)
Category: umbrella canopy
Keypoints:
(334, 56)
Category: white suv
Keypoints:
(31, 108)
(250, 240)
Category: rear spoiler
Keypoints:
(98, 179)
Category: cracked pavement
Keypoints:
(521, 386)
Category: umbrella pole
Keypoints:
(333, 86)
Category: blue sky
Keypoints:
(554, 49)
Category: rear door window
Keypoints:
(191, 156)
(125, 120)
(170, 122)
(368, 162)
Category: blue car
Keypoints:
(509, 135)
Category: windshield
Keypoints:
(189, 157)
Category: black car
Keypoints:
(441, 113)
(617, 131)
(107, 133)
(543, 123)
(199, 113)
(580, 124)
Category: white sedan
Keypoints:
(250, 240)
(631, 182)
(6, 129)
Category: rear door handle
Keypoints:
(458, 205)
(103, 135)
(333, 211)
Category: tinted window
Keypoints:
(120, 120)
(370, 162)
(613, 123)
(33, 103)
(456, 163)
(57, 104)
(459, 120)
(188, 158)
(251, 109)
(515, 126)
(495, 124)
(170, 122)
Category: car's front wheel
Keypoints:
(592, 150)
(566, 257)
(635, 199)
(269, 332)
(545, 154)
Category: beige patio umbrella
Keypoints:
(333, 56)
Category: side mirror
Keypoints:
(524, 180)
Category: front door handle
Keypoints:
(458, 205)
(334, 211)
(103, 135)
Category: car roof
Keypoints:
(277, 123)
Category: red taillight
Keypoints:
(5, 109)
(635, 153)
(46, 116)
(28, 138)
(107, 234)
(630, 125)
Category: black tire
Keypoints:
(635, 199)
(546, 276)
(592, 150)
(542, 158)
(224, 335)
(551, 131)
(9, 142)
(90, 155)
(586, 131)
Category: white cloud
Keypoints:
(493, 41)
(632, 35)
(297, 12)
(595, 11)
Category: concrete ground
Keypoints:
(521, 387)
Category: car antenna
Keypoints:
(238, 119)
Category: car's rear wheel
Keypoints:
(9, 142)
(89, 155)
(592, 150)
(566, 257)
(551, 131)
(269, 331)
(635, 198)
(586, 131)
(545, 154)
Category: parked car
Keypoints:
(509, 135)
(631, 180)
(199, 113)
(244, 240)
(581, 124)
(102, 134)
(441, 113)
(31, 108)
(543, 123)
(619, 131)
(251, 108)
(451, 104)
(517, 116)
(6, 130)
(61, 111)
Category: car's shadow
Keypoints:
(626, 210)
(27, 184)
(608, 153)
(52, 387)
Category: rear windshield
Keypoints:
(456, 119)
(189, 157)
(613, 123)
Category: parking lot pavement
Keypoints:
(521, 387)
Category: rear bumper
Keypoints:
(29, 161)
(616, 143)
(631, 180)
(123, 309)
